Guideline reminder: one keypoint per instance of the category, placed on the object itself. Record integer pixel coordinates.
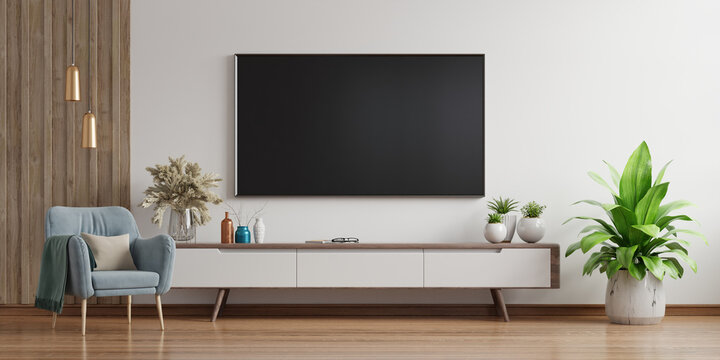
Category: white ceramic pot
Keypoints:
(259, 231)
(531, 230)
(510, 221)
(495, 233)
(634, 302)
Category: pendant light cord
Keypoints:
(89, 63)
(73, 32)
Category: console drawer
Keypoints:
(359, 268)
(487, 268)
(218, 268)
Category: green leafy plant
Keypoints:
(179, 186)
(495, 218)
(639, 237)
(532, 210)
(502, 206)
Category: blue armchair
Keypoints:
(154, 257)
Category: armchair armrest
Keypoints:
(156, 254)
(79, 280)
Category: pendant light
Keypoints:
(89, 132)
(72, 74)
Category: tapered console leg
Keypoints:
(499, 303)
(220, 301)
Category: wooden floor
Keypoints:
(546, 337)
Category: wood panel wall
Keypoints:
(41, 161)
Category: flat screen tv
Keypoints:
(359, 125)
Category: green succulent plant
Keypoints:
(532, 210)
(639, 237)
(495, 218)
(502, 206)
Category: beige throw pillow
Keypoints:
(111, 252)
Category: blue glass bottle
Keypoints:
(242, 235)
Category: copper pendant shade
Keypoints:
(72, 74)
(89, 131)
(89, 127)
(72, 83)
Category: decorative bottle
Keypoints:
(259, 230)
(226, 230)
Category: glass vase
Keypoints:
(182, 226)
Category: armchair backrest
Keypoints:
(104, 221)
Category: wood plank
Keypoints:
(123, 66)
(48, 123)
(92, 104)
(35, 147)
(13, 256)
(63, 112)
(81, 194)
(60, 60)
(73, 110)
(356, 310)
(3, 152)
(467, 245)
(104, 105)
(25, 203)
(114, 90)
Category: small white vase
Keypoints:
(510, 221)
(495, 233)
(634, 302)
(531, 230)
(259, 231)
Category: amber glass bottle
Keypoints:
(226, 230)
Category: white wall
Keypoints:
(569, 83)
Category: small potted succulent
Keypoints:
(495, 230)
(504, 207)
(531, 227)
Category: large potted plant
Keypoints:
(639, 245)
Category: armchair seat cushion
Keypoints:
(124, 279)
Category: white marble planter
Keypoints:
(495, 233)
(633, 302)
(509, 221)
(531, 230)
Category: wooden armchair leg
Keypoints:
(54, 319)
(129, 305)
(83, 314)
(158, 303)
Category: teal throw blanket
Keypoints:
(53, 273)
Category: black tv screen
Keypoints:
(359, 125)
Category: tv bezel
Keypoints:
(235, 125)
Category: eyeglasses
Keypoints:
(346, 240)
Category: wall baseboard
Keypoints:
(352, 310)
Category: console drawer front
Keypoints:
(360, 268)
(217, 268)
(491, 268)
